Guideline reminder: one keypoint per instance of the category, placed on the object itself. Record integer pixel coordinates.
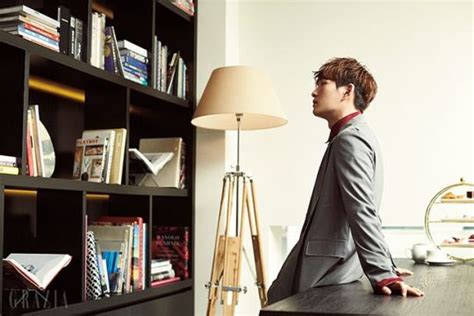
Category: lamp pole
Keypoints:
(238, 116)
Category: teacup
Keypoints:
(437, 255)
(419, 252)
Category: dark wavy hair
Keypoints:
(348, 70)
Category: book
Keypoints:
(165, 281)
(64, 18)
(9, 170)
(163, 275)
(25, 10)
(153, 162)
(93, 283)
(35, 270)
(155, 270)
(172, 242)
(109, 136)
(171, 173)
(118, 155)
(89, 159)
(186, 6)
(125, 44)
(160, 262)
(10, 161)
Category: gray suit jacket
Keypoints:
(342, 237)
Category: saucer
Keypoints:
(440, 263)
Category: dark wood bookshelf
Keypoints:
(115, 302)
(50, 215)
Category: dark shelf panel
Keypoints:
(118, 301)
(70, 62)
(25, 182)
(167, 4)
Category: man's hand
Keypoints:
(401, 288)
(403, 272)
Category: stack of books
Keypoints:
(172, 243)
(134, 60)
(31, 25)
(162, 272)
(9, 165)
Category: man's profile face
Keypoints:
(326, 98)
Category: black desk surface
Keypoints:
(449, 290)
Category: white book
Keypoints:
(154, 162)
(23, 9)
(93, 60)
(133, 47)
(35, 269)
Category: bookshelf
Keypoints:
(50, 215)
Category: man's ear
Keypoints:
(350, 88)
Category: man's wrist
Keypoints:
(388, 281)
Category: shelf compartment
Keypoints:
(67, 61)
(103, 107)
(45, 221)
(13, 81)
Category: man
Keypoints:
(342, 236)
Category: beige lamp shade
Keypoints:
(239, 90)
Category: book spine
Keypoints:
(23, 31)
(9, 170)
(133, 47)
(110, 62)
(10, 159)
(44, 18)
(126, 52)
(135, 63)
(79, 39)
(64, 18)
(40, 31)
(135, 71)
(72, 36)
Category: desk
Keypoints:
(449, 290)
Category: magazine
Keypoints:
(35, 270)
(153, 162)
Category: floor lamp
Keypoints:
(237, 98)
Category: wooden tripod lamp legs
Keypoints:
(226, 264)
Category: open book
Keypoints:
(35, 270)
(153, 162)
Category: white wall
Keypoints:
(210, 152)
(420, 53)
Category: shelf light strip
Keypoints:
(21, 192)
(98, 196)
(59, 89)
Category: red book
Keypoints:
(165, 281)
(172, 242)
(137, 267)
